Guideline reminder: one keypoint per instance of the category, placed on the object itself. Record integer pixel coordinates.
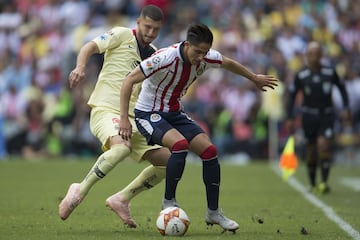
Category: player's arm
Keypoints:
(293, 89)
(136, 76)
(261, 81)
(78, 73)
(345, 114)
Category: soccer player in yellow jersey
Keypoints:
(123, 49)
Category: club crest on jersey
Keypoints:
(108, 33)
(200, 68)
(156, 60)
(155, 117)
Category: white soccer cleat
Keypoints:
(216, 217)
(169, 203)
(121, 208)
(72, 199)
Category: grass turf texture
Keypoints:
(254, 195)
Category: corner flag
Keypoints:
(288, 160)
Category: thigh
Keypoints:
(104, 124)
(200, 143)
(140, 146)
(152, 126)
(326, 126)
(185, 125)
(310, 124)
(157, 157)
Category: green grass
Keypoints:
(30, 193)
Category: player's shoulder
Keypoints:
(115, 32)
(168, 52)
(122, 30)
(213, 55)
(328, 70)
(303, 73)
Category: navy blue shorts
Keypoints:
(153, 125)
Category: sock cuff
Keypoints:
(209, 153)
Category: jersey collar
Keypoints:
(181, 52)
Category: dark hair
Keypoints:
(152, 12)
(199, 33)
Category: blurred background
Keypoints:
(41, 118)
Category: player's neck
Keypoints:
(183, 49)
(315, 67)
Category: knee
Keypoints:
(323, 144)
(180, 146)
(118, 140)
(119, 150)
(209, 153)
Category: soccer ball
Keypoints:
(172, 221)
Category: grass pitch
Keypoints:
(254, 195)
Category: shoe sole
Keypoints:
(233, 230)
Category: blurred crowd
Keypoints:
(40, 117)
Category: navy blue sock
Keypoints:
(174, 170)
(211, 178)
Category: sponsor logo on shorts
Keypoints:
(155, 117)
(115, 120)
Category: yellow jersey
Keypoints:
(122, 54)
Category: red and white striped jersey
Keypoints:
(168, 77)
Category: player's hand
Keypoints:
(76, 76)
(290, 126)
(265, 81)
(125, 129)
(346, 116)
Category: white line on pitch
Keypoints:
(329, 212)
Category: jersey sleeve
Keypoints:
(341, 85)
(292, 91)
(213, 58)
(112, 38)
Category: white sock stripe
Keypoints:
(209, 159)
(180, 151)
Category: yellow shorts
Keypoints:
(104, 124)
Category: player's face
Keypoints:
(148, 30)
(314, 53)
(313, 56)
(195, 53)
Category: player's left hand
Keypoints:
(125, 129)
(346, 116)
(265, 81)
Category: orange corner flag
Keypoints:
(288, 159)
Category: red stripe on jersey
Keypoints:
(175, 96)
(168, 85)
(166, 66)
(156, 91)
(212, 61)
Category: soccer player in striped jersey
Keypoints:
(159, 115)
(123, 49)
